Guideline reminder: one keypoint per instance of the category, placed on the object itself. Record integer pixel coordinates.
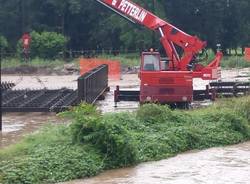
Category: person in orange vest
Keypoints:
(247, 54)
(26, 40)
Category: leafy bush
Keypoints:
(243, 108)
(3, 43)
(48, 157)
(84, 118)
(107, 134)
(153, 113)
(45, 44)
(52, 164)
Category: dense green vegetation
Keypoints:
(3, 43)
(225, 21)
(234, 62)
(95, 142)
(46, 44)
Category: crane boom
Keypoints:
(170, 35)
(172, 84)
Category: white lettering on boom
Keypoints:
(132, 10)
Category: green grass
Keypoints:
(234, 62)
(127, 60)
(131, 60)
(96, 142)
(228, 61)
(36, 62)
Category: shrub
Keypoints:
(3, 43)
(45, 44)
(48, 157)
(51, 164)
(108, 134)
(153, 113)
(117, 141)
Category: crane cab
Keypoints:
(152, 61)
(159, 84)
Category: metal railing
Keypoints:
(93, 84)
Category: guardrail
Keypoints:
(93, 84)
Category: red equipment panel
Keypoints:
(176, 87)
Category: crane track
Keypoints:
(213, 90)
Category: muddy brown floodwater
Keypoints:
(17, 125)
(228, 165)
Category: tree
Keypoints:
(89, 25)
(3, 42)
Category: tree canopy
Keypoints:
(89, 25)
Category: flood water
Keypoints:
(17, 125)
(228, 165)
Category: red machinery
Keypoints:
(167, 81)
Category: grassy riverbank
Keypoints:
(127, 60)
(95, 142)
(37, 62)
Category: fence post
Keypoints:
(81, 89)
(1, 125)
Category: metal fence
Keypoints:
(38, 100)
(92, 84)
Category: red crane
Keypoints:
(169, 81)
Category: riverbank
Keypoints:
(96, 142)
